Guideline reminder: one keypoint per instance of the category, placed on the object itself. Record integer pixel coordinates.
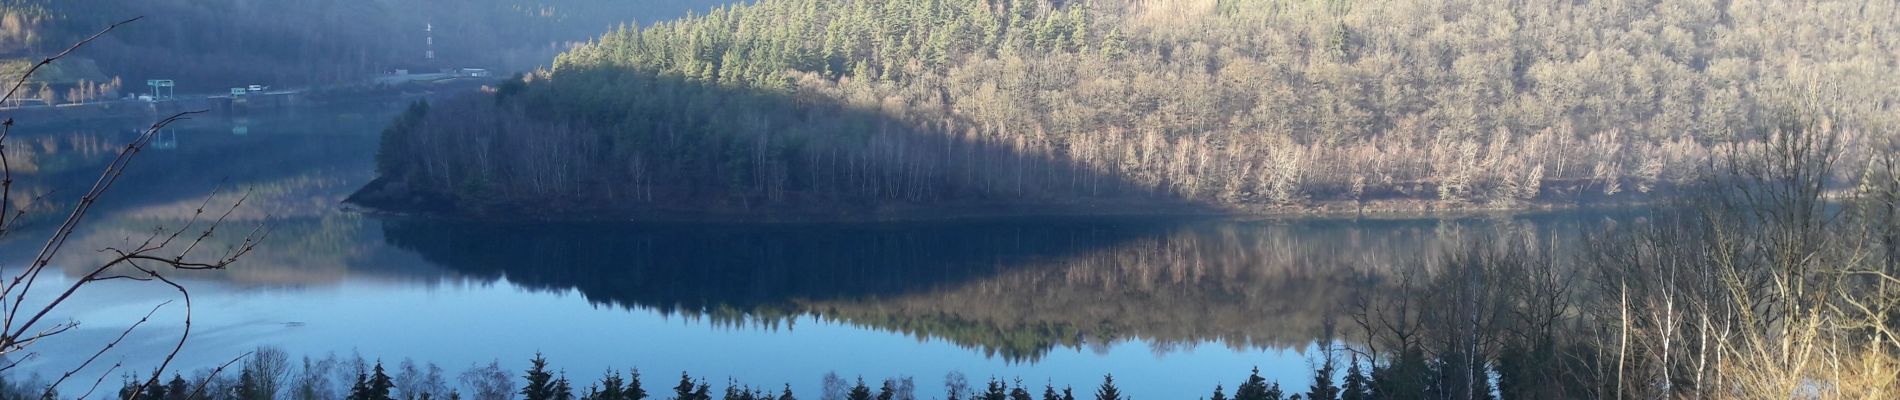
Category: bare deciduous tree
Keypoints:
(28, 302)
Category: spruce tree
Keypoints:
(787, 394)
(684, 391)
(1219, 393)
(360, 389)
(1049, 392)
(888, 391)
(562, 389)
(633, 391)
(1018, 393)
(540, 382)
(859, 392)
(734, 393)
(153, 390)
(1255, 388)
(1108, 391)
(127, 390)
(1323, 387)
(247, 387)
(374, 386)
(611, 387)
(1274, 392)
(1068, 393)
(177, 389)
(1358, 387)
(996, 391)
(1409, 375)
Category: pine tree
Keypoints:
(859, 392)
(734, 393)
(996, 391)
(633, 390)
(541, 385)
(1049, 393)
(609, 388)
(125, 391)
(1219, 393)
(247, 387)
(562, 389)
(684, 391)
(1357, 386)
(153, 390)
(1108, 391)
(1274, 392)
(360, 389)
(1406, 376)
(178, 389)
(1068, 393)
(1018, 393)
(1323, 387)
(374, 386)
(787, 394)
(1255, 388)
(379, 384)
(888, 391)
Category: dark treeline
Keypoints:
(210, 45)
(269, 374)
(1239, 104)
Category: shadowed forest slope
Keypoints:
(210, 45)
(1240, 104)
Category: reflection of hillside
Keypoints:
(1016, 290)
(295, 166)
(696, 268)
(332, 146)
(299, 250)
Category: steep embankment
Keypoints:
(828, 107)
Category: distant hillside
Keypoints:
(854, 106)
(210, 45)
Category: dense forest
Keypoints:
(1248, 104)
(210, 45)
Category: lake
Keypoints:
(1170, 306)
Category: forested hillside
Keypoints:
(210, 45)
(1239, 104)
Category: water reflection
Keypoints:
(1015, 289)
(1058, 298)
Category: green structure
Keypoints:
(162, 88)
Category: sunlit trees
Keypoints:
(1259, 106)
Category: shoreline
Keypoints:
(1384, 209)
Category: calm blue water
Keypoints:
(1171, 307)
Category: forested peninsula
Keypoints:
(864, 108)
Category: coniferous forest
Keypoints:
(833, 106)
